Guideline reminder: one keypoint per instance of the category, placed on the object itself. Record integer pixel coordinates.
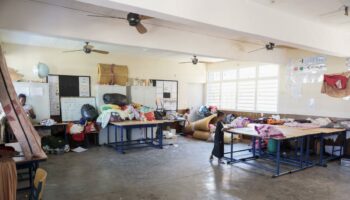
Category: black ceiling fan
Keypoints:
(271, 46)
(134, 20)
(194, 60)
(88, 49)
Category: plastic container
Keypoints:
(272, 146)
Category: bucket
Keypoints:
(272, 146)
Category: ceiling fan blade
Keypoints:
(106, 16)
(257, 50)
(332, 12)
(100, 51)
(72, 51)
(142, 17)
(185, 62)
(284, 47)
(140, 28)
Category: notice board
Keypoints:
(66, 86)
(167, 93)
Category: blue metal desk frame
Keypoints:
(300, 162)
(122, 145)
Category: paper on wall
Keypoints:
(84, 86)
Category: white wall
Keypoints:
(324, 105)
(24, 58)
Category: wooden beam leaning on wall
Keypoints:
(24, 131)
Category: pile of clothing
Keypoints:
(311, 123)
(115, 113)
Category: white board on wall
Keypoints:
(37, 96)
(71, 107)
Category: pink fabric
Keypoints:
(268, 131)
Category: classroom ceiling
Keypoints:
(330, 12)
(86, 9)
(30, 39)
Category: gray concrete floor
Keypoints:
(181, 172)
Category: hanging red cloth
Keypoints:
(336, 81)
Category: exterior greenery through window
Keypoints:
(244, 89)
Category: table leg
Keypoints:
(152, 135)
(301, 151)
(260, 151)
(321, 150)
(160, 129)
(278, 157)
(253, 146)
(121, 140)
(231, 160)
(307, 150)
(116, 137)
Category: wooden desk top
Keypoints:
(57, 124)
(132, 123)
(21, 159)
(289, 132)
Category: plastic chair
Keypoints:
(39, 184)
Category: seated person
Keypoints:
(27, 108)
(186, 116)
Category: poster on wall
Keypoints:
(84, 86)
(54, 94)
(308, 70)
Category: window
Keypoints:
(214, 76)
(247, 73)
(229, 75)
(246, 95)
(213, 93)
(228, 95)
(244, 89)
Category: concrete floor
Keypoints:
(181, 172)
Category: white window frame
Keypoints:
(237, 80)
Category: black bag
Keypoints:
(88, 112)
(116, 99)
(159, 115)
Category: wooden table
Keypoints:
(63, 124)
(120, 127)
(25, 163)
(301, 135)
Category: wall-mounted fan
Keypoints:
(271, 46)
(88, 49)
(194, 61)
(134, 20)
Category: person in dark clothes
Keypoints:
(218, 150)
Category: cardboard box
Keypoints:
(113, 74)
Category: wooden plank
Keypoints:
(24, 131)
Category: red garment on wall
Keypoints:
(336, 81)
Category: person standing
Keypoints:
(218, 150)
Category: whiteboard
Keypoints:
(71, 107)
(37, 96)
(144, 95)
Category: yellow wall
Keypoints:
(324, 105)
(24, 58)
